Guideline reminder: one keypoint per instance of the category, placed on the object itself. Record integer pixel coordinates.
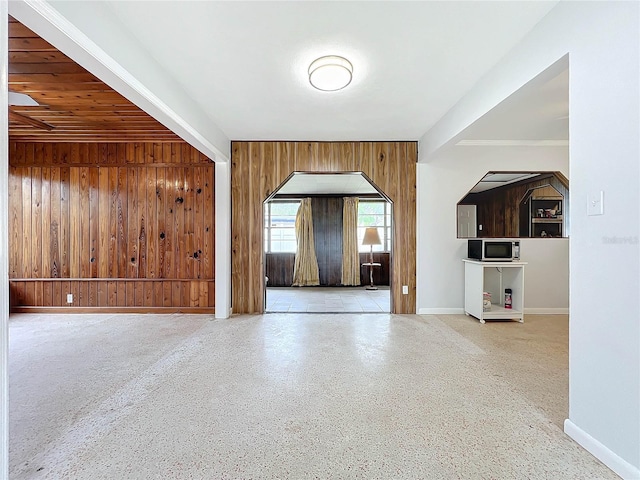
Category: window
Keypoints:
(279, 226)
(375, 213)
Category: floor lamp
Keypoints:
(371, 238)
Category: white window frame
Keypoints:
(387, 232)
(267, 223)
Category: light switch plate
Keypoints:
(69, 297)
(405, 289)
(595, 203)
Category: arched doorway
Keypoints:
(368, 290)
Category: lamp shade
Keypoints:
(371, 236)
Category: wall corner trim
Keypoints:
(601, 452)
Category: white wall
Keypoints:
(442, 183)
(602, 39)
(546, 275)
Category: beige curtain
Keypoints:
(350, 255)
(305, 269)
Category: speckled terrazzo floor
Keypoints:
(290, 396)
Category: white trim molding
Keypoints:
(602, 453)
(223, 240)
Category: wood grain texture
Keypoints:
(258, 168)
(93, 220)
(498, 210)
(74, 104)
(327, 233)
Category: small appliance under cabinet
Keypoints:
(494, 278)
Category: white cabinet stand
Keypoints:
(494, 277)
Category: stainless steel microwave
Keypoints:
(493, 249)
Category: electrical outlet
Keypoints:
(69, 297)
(480, 227)
(405, 289)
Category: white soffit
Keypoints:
(537, 115)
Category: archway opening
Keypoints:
(330, 197)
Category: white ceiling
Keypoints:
(327, 184)
(245, 63)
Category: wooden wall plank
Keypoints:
(84, 213)
(207, 259)
(132, 224)
(151, 221)
(170, 215)
(122, 205)
(25, 244)
(15, 223)
(255, 291)
(105, 245)
(390, 165)
(161, 219)
(197, 221)
(240, 201)
(189, 226)
(94, 220)
(45, 221)
(141, 223)
(181, 240)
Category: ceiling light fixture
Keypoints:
(330, 73)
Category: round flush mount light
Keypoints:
(330, 73)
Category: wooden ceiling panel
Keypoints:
(75, 105)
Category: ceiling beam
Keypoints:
(19, 118)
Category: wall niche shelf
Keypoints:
(545, 217)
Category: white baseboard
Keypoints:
(602, 453)
(460, 311)
(441, 311)
(546, 311)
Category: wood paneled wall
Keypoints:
(499, 208)
(327, 233)
(258, 168)
(120, 226)
(381, 273)
(279, 269)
